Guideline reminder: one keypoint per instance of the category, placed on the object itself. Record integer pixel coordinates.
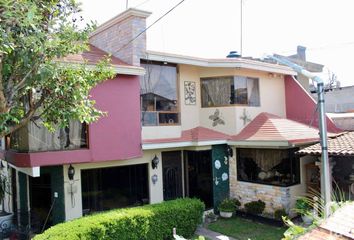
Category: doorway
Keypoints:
(172, 175)
(40, 201)
(199, 176)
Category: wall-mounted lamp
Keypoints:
(229, 151)
(154, 162)
(154, 178)
(71, 172)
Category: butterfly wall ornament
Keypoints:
(216, 118)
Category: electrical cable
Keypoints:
(156, 21)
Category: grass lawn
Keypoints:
(244, 229)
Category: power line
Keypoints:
(140, 4)
(173, 8)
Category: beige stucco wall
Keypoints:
(272, 99)
(155, 190)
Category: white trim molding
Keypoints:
(150, 146)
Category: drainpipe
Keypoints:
(325, 169)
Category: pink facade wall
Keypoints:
(116, 136)
(300, 106)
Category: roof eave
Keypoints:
(235, 63)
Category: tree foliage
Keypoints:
(34, 36)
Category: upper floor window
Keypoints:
(225, 91)
(36, 138)
(158, 94)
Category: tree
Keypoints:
(34, 83)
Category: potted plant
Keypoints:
(227, 207)
(5, 217)
(303, 207)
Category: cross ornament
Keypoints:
(245, 117)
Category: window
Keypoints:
(268, 166)
(114, 187)
(158, 95)
(224, 91)
(35, 138)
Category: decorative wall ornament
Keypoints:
(226, 160)
(245, 117)
(189, 93)
(224, 176)
(216, 118)
(217, 164)
(216, 181)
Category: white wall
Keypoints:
(155, 191)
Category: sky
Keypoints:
(211, 28)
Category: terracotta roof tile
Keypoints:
(92, 56)
(343, 145)
(269, 127)
(197, 134)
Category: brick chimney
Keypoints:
(301, 53)
(113, 36)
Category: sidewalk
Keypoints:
(212, 235)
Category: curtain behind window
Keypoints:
(216, 91)
(253, 92)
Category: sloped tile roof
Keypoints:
(339, 226)
(269, 127)
(197, 134)
(92, 56)
(343, 145)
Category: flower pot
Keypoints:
(225, 214)
(5, 222)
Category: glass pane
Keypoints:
(168, 118)
(268, 166)
(216, 91)
(158, 88)
(35, 137)
(240, 90)
(253, 92)
(115, 187)
(149, 118)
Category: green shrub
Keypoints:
(154, 221)
(227, 205)
(237, 202)
(279, 213)
(255, 207)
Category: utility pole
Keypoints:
(325, 167)
(241, 26)
(126, 4)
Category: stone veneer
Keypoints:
(275, 197)
(116, 35)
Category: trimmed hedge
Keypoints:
(154, 221)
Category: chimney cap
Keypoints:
(233, 54)
(120, 17)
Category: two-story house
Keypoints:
(177, 126)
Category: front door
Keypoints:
(199, 176)
(172, 175)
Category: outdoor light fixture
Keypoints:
(71, 172)
(229, 151)
(154, 178)
(154, 162)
